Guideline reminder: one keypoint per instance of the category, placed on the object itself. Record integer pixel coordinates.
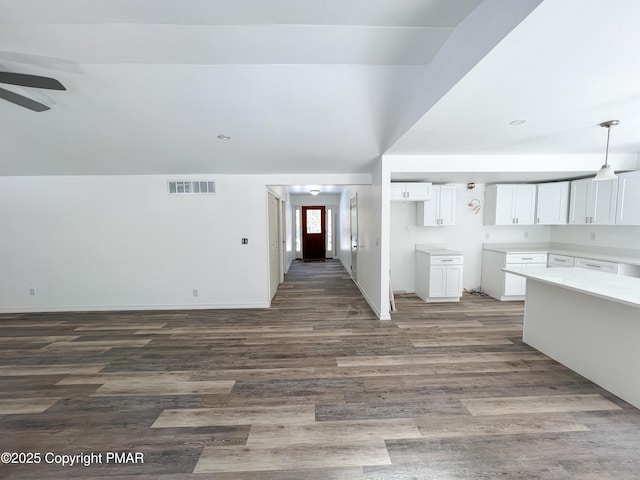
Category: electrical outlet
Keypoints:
(592, 236)
(32, 292)
(195, 292)
(245, 241)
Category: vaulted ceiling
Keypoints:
(308, 86)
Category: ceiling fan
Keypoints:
(25, 80)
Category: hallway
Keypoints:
(313, 388)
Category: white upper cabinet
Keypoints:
(510, 204)
(440, 210)
(628, 209)
(410, 192)
(552, 203)
(593, 202)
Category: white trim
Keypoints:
(116, 308)
(366, 297)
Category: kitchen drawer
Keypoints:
(526, 258)
(560, 260)
(608, 267)
(446, 260)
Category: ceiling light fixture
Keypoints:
(517, 122)
(607, 172)
(224, 136)
(315, 191)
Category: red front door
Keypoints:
(313, 235)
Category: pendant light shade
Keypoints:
(606, 172)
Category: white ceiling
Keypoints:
(308, 86)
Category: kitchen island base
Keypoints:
(595, 337)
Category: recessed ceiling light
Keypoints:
(224, 136)
(518, 122)
(314, 192)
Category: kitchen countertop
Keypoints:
(628, 257)
(436, 250)
(616, 288)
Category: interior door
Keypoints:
(313, 233)
(354, 237)
(274, 245)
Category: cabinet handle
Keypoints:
(527, 258)
(447, 260)
(517, 220)
(558, 260)
(537, 219)
(592, 265)
(591, 219)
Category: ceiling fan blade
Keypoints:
(35, 81)
(23, 101)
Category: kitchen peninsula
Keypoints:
(587, 320)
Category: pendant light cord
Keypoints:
(606, 153)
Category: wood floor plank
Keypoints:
(25, 405)
(460, 342)
(38, 338)
(64, 369)
(350, 432)
(173, 387)
(549, 403)
(200, 417)
(387, 360)
(264, 458)
(464, 426)
(69, 346)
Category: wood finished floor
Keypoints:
(313, 388)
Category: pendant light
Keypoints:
(606, 172)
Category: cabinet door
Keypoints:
(427, 212)
(397, 192)
(603, 202)
(628, 210)
(447, 204)
(437, 281)
(505, 204)
(454, 281)
(418, 191)
(514, 284)
(579, 204)
(552, 203)
(525, 204)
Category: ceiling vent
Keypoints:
(192, 187)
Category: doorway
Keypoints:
(353, 206)
(313, 233)
(274, 245)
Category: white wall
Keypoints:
(369, 241)
(619, 236)
(467, 236)
(119, 242)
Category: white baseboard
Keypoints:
(375, 309)
(118, 308)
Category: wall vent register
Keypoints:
(191, 186)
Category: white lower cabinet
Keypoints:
(439, 277)
(506, 286)
(556, 260)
